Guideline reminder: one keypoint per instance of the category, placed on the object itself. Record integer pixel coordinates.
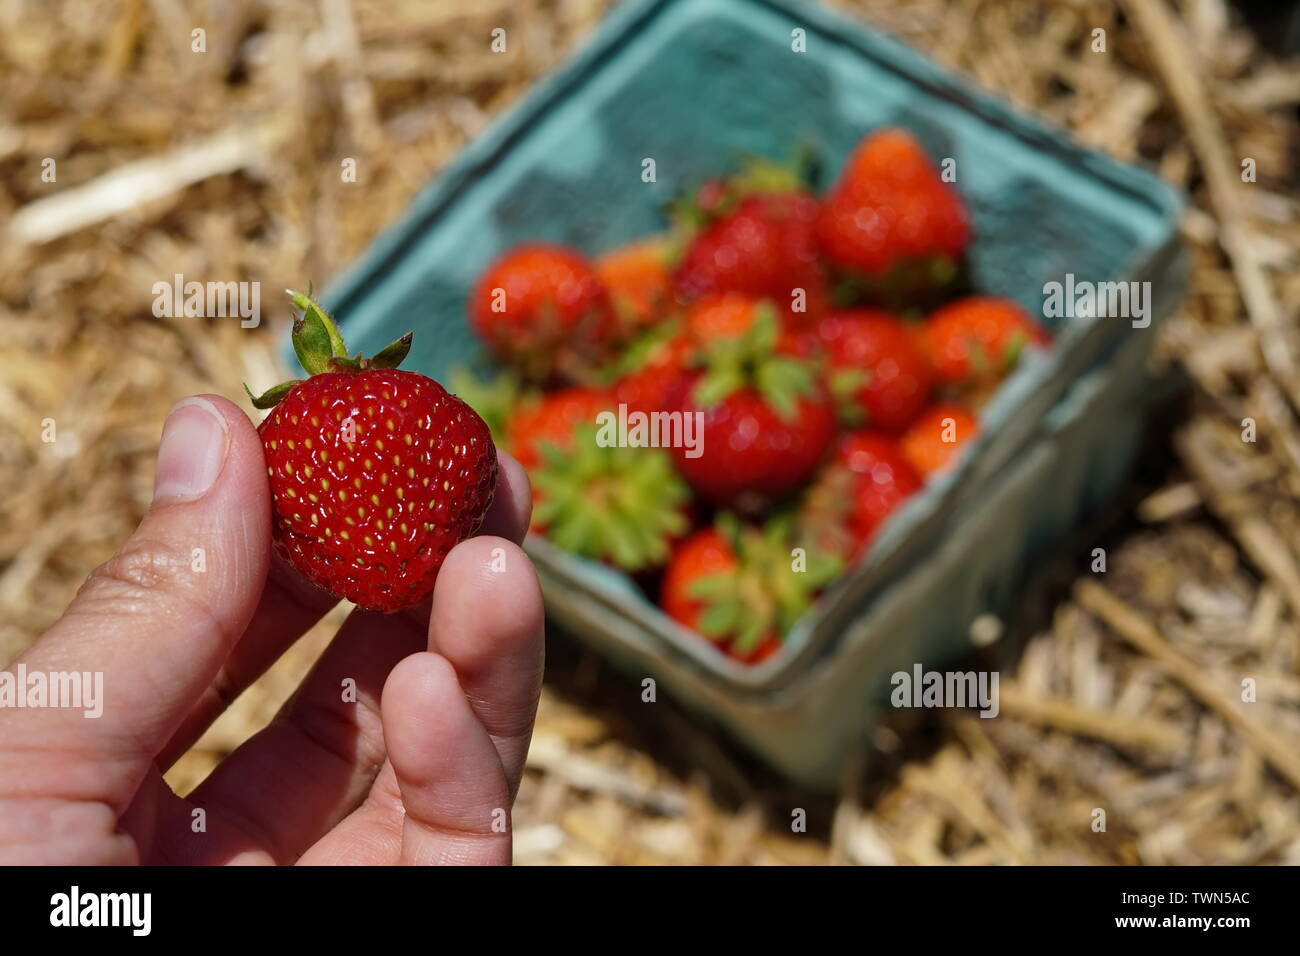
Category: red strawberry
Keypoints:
(730, 316)
(766, 421)
(652, 366)
(861, 486)
(738, 586)
(542, 309)
(765, 248)
(553, 419)
(878, 372)
(891, 208)
(979, 339)
(934, 438)
(375, 473)
(637, 277)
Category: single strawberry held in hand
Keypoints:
(376, 473)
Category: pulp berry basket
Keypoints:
(695, 84)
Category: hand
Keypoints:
(421, 767)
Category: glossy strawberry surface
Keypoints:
(765, 248)
(890, 206)
(543, 310)
(750, 454)
(375, 476)
(887, 377)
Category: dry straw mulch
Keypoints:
(1127, 698)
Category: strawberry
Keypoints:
(766, 420)
(650, 368)
(720, 195)
(591, 496)
(934, 438)
(543, 310)
(375, 473)
(979, 339)
(765, 248)
(652, 365)
(553, 419)
(609, 502)
(864, 483)
(637, 277)
(878, 373)
(738, 586)
(891, 209)
(728, 315)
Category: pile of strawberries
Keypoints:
(826, 346)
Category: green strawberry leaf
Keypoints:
(721, 619)
(610, 503)
(782, 382)
(316, 337)
(272, 396)
(717, 384)
(392, 355)
(1015, 348)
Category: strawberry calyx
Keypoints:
(320, 348)
(771, 587)
(610, 502)
(752, 360)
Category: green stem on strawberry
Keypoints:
(319, 345)
(768, 591)
(844, 385)
(610, 502)
(752, 359)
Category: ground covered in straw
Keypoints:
(1121, 693)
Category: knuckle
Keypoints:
(146, 577)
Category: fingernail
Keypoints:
(192, 451)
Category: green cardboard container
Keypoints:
(695, 84)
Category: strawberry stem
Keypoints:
(319, 345)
